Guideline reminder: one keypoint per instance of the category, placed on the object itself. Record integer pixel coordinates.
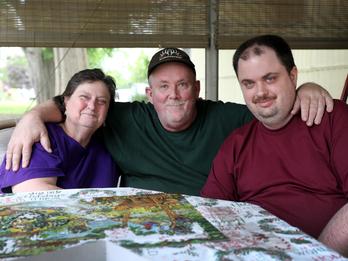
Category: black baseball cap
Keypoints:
(168, 55)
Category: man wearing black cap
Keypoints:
(173, 89)
(170, 55)
(165, 145)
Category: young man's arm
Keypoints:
(29, 129)
(335, 234)
(220, 182)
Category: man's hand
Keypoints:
(312, 99)
(28, 130)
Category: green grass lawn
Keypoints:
(16, 108)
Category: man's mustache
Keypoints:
(263, 98)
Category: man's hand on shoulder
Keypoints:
(312, 99)
(27, 131)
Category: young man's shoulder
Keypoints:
(340, 105)
(338, 114)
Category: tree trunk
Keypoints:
(41, 73)
(68, 61)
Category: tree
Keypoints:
(139, 75)
(67, 61)
(51, 69)
(139, 69)
(41, 72)
(97, 55)
(18, 76)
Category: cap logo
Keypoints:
(170, 53)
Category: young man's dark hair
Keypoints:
(278, 44)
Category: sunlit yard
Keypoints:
(14, 108)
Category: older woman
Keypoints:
(78, 158)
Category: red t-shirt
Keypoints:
(298, 173)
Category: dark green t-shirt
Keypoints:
(178, 162)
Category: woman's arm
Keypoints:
(36, 185)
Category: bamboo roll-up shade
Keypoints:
(315, 24)
(104, 23)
